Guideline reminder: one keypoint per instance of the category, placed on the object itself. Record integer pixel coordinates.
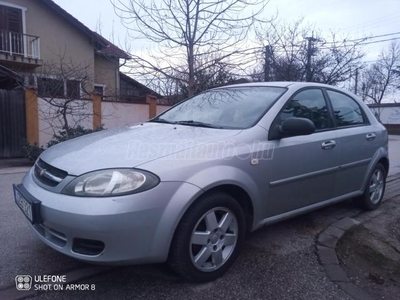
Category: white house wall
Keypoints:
(116, 114)
(389, 115)
(161, 108)
(49, 124)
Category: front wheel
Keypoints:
(374, 190)
(208, 238)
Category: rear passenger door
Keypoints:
(357, 142)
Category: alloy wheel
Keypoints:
(213, 239)
(376, 186)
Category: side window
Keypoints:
(346, 110)
(308, 104)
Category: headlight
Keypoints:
(111, 182)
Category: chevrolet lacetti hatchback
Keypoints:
(186, 186)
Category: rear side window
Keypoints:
(309, 104)
(347, 111)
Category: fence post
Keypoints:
(11, 45)
(152, 101)
(96, 110)
(32, 116)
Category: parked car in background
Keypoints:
(186, 186)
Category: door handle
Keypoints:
(328, 145)
(370, 136)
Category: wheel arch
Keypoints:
(385, 162)
(381, 156)
(232, 189)
(241, 196)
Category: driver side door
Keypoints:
(302, 171)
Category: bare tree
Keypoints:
(64, 88)
(192, 35)
(298, 51)
(381, 77)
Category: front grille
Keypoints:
(48, 174)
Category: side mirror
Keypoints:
(297, 126)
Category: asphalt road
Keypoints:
(277, 262)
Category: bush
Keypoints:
(33, 151)
(64, 135)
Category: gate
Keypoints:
(12, 123)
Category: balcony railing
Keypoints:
(15, 43)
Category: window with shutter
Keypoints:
(11, 21)
(73, 89)
(49, 87)
(14, 18)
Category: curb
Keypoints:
(326, 244)
(327, 240)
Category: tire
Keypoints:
(208, 238)
(374, 190)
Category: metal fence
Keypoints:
(12, 123)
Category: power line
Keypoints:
(344, 41)
(367, 38)
(360, 44)
(382, 19)
(380, 41)
(261, 49)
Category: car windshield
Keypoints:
(235, 107)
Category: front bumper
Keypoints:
(134, 228)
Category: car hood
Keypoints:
(129, 146)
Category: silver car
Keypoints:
(186, 186)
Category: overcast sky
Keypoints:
(356, 18)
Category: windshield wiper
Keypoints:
(161, 120)
(196, 123)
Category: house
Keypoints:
(52, 55)
(39, 33)
(133, 91)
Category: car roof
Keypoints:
(279, 84)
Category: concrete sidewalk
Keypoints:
(15, 162)
(361, 254)
(14, 165)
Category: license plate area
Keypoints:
(27, 204)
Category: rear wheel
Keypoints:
(374, 190)
(208, 238)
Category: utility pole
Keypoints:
(267, 64)
(309, 55)
(356, 82)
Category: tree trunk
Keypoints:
(65, 119)
(191, 88)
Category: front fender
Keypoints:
(189, 191)
(215, 176)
